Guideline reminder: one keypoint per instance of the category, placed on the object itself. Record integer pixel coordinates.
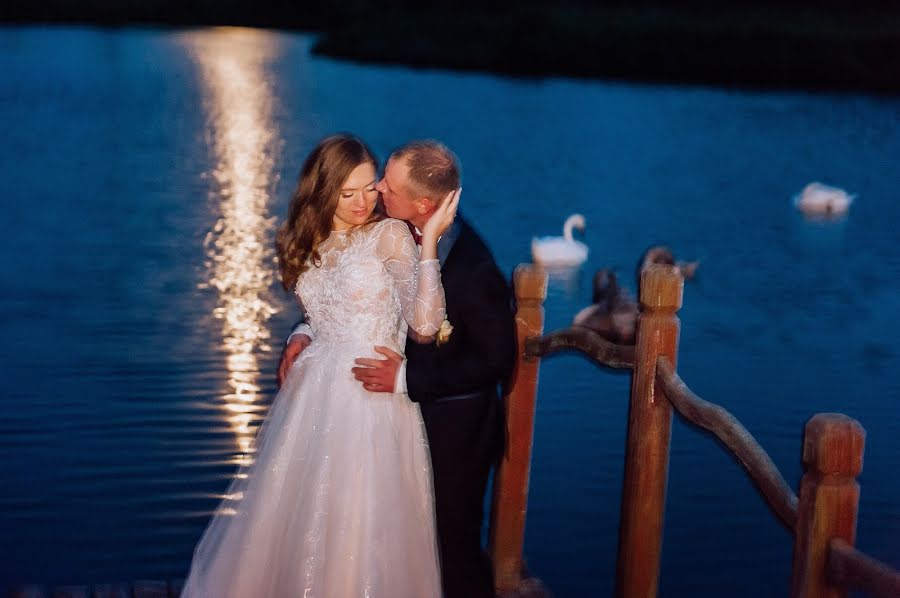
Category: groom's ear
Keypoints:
(425, 205)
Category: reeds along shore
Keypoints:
(822, 45)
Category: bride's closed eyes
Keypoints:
(348, 193)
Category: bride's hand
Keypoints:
(442, 218)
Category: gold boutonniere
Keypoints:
(443, 333)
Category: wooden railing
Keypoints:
(822, 520)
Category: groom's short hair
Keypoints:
(433, 169)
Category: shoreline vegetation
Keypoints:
(821, 45)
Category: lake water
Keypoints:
(143, 173)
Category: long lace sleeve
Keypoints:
(418, 283)
(303, 326)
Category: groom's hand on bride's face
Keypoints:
(378, 375)
(290, 354)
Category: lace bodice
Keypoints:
(370, 282)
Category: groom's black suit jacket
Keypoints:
(480, 352)
(456, 385)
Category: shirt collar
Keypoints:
(447, 240)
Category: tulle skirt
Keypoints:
(338, 502)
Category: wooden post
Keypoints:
(829, 497)
(649, 428)
(507, 535)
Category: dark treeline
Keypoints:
(306, 15)
(815, 44)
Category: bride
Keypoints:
(338, 502)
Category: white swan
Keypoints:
(561, 251)
(817, 199)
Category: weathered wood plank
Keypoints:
(175, 587)
(71, 592)
(529, 587)
(112, 590)
(31, 591)
(150, 589)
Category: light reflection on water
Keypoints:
(240, 260)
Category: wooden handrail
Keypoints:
(822, 518)
(585, 340)
(850, 568)
(741, 443)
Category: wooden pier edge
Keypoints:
(139, 589)
(507, 523)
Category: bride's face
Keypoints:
(356, 199)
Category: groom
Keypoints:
(456, 380)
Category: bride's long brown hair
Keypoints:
(314, 201)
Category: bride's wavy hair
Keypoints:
(314, 201)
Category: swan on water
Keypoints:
(817, 199)
(613, 313)
(660, 254)
(561, 251)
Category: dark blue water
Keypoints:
(142, 174)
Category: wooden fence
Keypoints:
(822, 520)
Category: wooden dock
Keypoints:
(138, 589)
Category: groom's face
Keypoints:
(395, 192)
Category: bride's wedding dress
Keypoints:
(338, 502)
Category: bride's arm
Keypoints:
(297, 342)
(302, 326)
(418, 281)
